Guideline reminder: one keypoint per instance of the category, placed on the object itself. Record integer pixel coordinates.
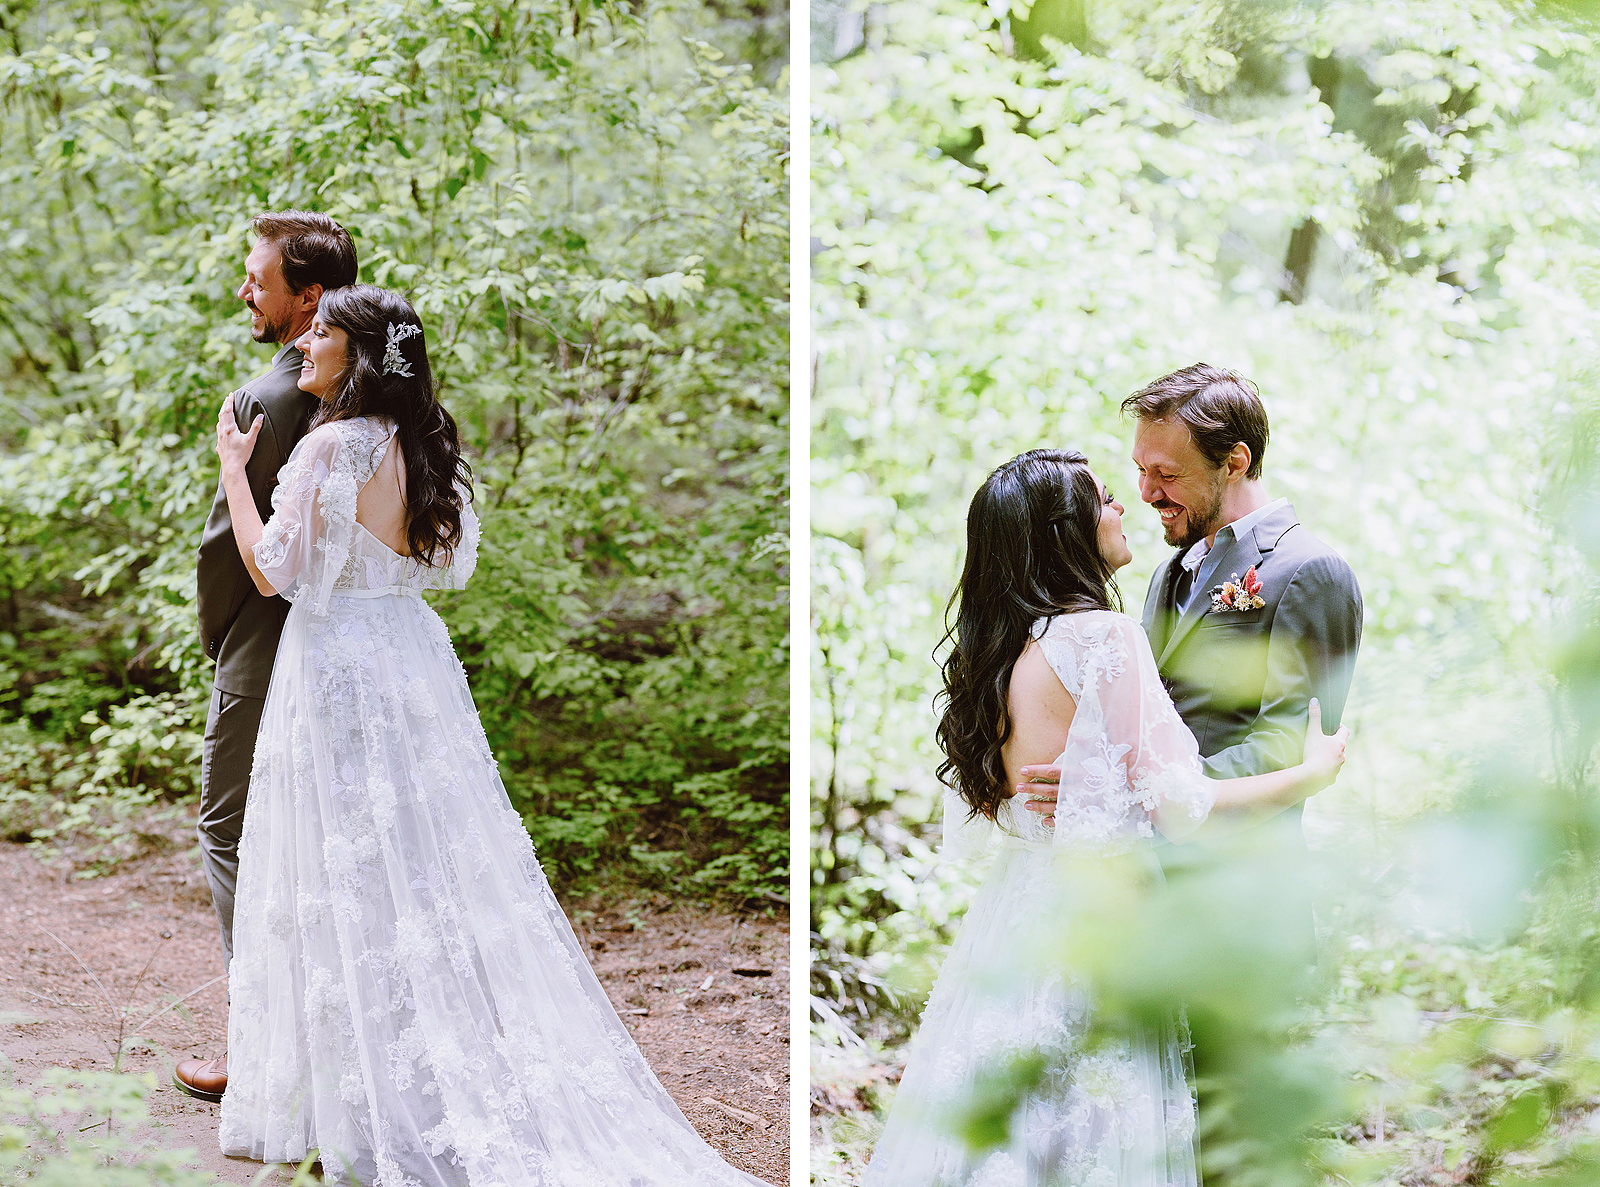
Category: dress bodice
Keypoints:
(313, 548)
(1127, 754)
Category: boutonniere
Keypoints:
(1238, 593)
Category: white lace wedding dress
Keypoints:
(1114, 1114)
(406, 995)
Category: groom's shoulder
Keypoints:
(1313, 560)
(277, 390)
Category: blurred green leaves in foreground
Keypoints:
(90, 1129)
(79, 1128)
(588, 205)
(1386, 216)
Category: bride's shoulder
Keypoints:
(321, 442)
(1088, 627)
(351, 428)
(330, 437)
(372, 423)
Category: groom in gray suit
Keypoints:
(297, 256)
(1252, 616)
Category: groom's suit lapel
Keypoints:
(1159, 614)
(1233, 556)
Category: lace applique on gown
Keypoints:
(1121, 1114)
(406, 995)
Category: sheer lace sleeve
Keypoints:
(286, 552)
(465, 557)
(1130, 762)
(305, 544)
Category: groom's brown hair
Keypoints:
(312, 248)
(1220, 408)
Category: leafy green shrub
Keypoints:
(38, 778)
(88, 1129)
(589, 210)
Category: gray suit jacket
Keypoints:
(238, 626)
(1241, 681)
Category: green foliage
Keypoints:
(588, 206)
(1384, 216)
(88, 1129)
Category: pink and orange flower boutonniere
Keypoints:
(1238, 594)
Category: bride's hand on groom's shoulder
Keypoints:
(1324, 753)
(234, 447)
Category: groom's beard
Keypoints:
(270, 331)
(1199, 522)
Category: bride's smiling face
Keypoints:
(1113, 543)
(326, 350)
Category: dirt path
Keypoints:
(717, 1038)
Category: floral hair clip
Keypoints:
(394, 362)
(1238, 593)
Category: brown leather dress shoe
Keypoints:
(205, 1079)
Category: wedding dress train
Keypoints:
(407, 997)
(1110, 1113)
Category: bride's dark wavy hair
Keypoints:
(1032, 552)
(436, 473)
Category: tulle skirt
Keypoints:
(407, 997)
(1005, 1012)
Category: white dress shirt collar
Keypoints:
(1195, 557)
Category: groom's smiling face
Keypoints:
(1176, 479)
(267, 294)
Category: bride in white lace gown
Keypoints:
(1042, 669)
(406, 996)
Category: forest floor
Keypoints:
(85, 961)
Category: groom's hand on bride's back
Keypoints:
(1042, 782)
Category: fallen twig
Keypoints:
(737, 1114)
(93, 976)
(175, 1004)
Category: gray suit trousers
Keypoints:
(230, 747)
